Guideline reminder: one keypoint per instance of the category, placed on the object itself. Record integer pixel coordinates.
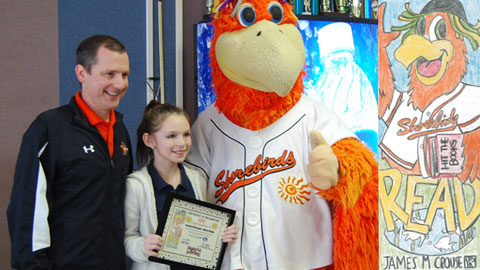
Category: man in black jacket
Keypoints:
(66, 206)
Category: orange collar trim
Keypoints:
(92, 117)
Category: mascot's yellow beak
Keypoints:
(265, 56)
(430, 59)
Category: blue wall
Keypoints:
(122, 19)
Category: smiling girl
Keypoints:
(163, 142)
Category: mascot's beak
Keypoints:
(430, 59)
(265, 56)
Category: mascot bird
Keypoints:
(303, 186)
(433, 48)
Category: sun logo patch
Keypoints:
(294, 191)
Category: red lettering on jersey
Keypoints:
(228, 181)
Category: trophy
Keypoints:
(357, 8)
(209, 6)
(307, 7)
(374, 8)
(325, 6)
(342, 6)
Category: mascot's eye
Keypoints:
(246, 15)
(277, 12)
(437, 29)
(441, 30)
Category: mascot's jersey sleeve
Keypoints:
(262, 175)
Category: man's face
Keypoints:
(107, 81)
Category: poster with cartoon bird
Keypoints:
(429, 134)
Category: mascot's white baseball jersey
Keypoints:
(261, 174)
(450, 113)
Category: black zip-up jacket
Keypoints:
(66, 206)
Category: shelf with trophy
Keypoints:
(340, 10)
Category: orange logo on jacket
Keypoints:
(228, 181)
(124, 148)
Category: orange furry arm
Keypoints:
(355, 207)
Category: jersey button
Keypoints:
(253, 218)
(255, 141)
(252, 192)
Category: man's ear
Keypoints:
(81, 72)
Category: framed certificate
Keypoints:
(191, 232)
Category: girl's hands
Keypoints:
(152, 244)
(230, 234)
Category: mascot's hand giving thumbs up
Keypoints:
(322, 167)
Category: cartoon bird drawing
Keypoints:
(262, 129)
(438, 112)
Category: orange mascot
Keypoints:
(303, 186)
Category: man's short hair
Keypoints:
(87, 49)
